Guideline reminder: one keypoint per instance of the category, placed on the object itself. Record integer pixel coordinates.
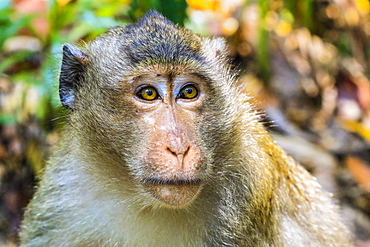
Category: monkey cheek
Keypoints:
(174, 195)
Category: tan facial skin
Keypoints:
(173, 161)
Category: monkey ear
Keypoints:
(220, 46)
(71, 74)
(215, 47)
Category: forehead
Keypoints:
(169, 71)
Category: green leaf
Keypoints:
(263, 57)
(174, 10)
(10, 27)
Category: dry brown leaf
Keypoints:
(360, 171)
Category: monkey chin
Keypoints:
(175, 193)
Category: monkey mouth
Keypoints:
(172, 181)
(173, 192)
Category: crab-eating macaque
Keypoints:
(162, 149)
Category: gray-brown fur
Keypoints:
(253, 194)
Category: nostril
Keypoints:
(180, 155)
(176, 153)
(172, 152)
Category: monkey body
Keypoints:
(161, 149)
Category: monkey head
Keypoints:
(138, 95)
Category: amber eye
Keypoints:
(188, 92)
(147, 93)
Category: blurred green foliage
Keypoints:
(8, 26)
(175, 10)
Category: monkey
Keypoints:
(160, 148)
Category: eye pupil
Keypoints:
(147, 93)
(188, 92)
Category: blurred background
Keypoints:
(305, 61)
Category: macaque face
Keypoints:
(168, 105)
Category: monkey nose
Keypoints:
(180, 150)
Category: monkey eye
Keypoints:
(147, 93)
(188, 92)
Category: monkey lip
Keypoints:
(171, 181)
(173, 192)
